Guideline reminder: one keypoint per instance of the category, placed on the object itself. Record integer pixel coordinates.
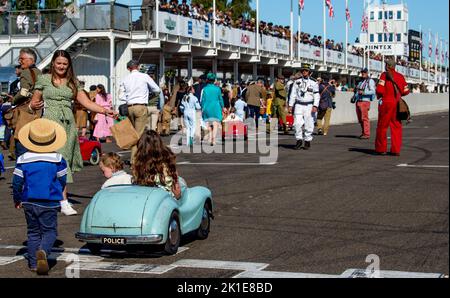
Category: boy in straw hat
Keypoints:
(38, 183)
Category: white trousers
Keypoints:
(304, 122)
(153, 113)
(190, 124)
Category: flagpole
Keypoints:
(292, 30)
(429, 56)
(421, 47)
(324, 34)
(346, 35)
(364, 48)
(440, 59)
(435, 58)
(299, 30)
(214, 25)
(257, 28)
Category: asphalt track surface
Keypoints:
(321, 211)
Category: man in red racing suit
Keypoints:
(391, 87)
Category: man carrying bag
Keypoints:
(134, 91)
(391, 87)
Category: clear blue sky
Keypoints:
(431, 14)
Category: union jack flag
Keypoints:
(365, 23)
(301, 3)
(430, 45)
(349, 19)
(330, 8)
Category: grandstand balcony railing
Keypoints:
(98, 16)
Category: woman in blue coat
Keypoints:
(212, 106)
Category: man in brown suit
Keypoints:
(254, 95)
(28, 78)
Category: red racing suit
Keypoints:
(387, 112)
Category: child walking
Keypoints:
(39, 179)
(190, 106)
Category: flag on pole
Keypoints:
(437, 48)
(349, 19)
(301, 3)
(330, 8)
(442, 53)
(430, 45)
(365, 23)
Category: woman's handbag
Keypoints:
(125, 134)
(403, 113)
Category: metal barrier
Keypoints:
(30, 22)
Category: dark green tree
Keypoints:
(239, 7)
(26, 4)
(242, 7)
(54, 4)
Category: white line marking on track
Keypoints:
(9, 260)
(250, 270)
(227, 163)
(83, 251)
(358, 273)
(405, 165)
(123, 152)
(224, 265)
(276, 274)
(119, 268)
(417, 138)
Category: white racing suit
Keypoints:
(305, 95)
(190, 106)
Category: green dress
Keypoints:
(58, 107)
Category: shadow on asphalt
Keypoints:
(347, 136)
(290, 147)
(363, 150)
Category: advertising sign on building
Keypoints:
(414, 43)
(387, 49)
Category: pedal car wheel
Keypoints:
(203, 230)
(173, 235)
(94, 248)
(95, 157)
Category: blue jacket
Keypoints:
(40, 178)
(369, 88)
(326, 97)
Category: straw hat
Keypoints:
(42, 136)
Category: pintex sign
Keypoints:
(386, 49)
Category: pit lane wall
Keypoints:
(421, 103)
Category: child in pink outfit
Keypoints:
(104, 123)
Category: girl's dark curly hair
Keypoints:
(151, 158)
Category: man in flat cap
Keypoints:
(304, 103)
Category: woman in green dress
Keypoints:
(55, 92)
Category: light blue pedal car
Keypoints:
(136, 215)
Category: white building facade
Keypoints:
(387, 30)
